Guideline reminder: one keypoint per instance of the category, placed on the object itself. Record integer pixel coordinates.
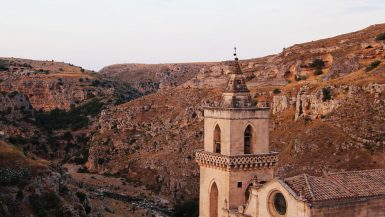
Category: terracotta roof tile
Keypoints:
(338, 186)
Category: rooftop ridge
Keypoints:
(308, 186)
(353, 171)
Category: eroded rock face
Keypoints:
(280, 103)
(14, 102)
(48, 94)
(313, 105)
(342, 66)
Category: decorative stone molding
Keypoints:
(237, 162)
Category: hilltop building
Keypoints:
(237, 169)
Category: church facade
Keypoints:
(237, 169)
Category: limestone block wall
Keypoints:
(258, 205)
(233, 124)
(237, 195)
(228, 187)
(209, 176)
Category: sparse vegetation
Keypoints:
(188, 208)
(370, 147)
(14, 176)
(380, 37)
(46, 205)
(317, 63)
(17, 140)
(307, 120)
(82, 196)
(318, 72)
(276, 91)
(4, 65)
(326, 94)
(26, 65)
(95, 83)
(44, 71)
(82, 170)
(373, 65)
(74, 119)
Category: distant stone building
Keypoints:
(237, 169)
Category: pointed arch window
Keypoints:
(247, 139)
(217, 139)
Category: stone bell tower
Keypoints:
(236, 149)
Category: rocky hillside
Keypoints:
(48, 112)
(48, 108)
(52, 85)
(327, 100)
(33, 185)
(141, 123)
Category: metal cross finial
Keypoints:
(235, 53)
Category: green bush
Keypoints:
(318, 72)
(17, 140)
(82, 196)
(381, 36)
(14, 176)
(276, 91)
(4, 65)
(80, 158)
(317, 63)
(326, 94)
(373, 65)
(187, 208)
(46, 205)
(82, 170)
(95, 83)
(75, 119)
(68, 136)
(19, 195)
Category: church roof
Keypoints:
(339, 186)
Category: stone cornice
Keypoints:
(236, 162)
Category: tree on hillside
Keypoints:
(4, 65)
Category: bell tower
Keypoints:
(236, 149)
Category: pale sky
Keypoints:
(96, 33)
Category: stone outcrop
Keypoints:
(313, 105)
(280, 103)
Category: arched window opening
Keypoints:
(247, 140)
(217, 140)
(214, 200)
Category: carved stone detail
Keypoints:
(240, 162)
